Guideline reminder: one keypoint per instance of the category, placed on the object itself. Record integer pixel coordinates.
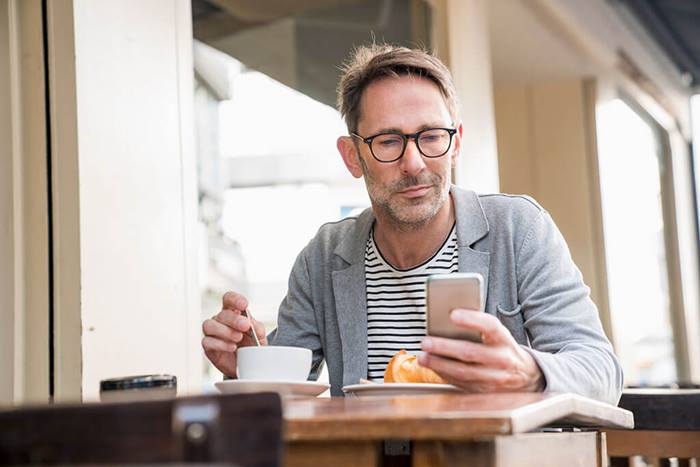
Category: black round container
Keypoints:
(142, 387)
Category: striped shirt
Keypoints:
(396, 302)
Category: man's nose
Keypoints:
(412, 161)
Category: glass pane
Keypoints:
(634, 244)
(266, 126)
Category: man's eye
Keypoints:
(390, 141)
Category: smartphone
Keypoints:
(444, 293)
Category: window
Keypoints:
(633, 158)
(269, 170)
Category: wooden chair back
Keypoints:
(244, 430)
(667, 426)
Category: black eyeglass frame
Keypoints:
(405, 137)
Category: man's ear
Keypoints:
(457, 145)
(348, 151)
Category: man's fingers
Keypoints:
(214, 328)
(259, 328)
(239, 326)
(491, 329)
(210, 344)
(468, 352)
(467, 375)
(233, 319)
(234, 301)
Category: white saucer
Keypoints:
(398, 389)
(284, 388)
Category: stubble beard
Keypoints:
(407, 214)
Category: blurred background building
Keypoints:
(155, 154)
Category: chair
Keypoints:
(667, 425)
(245, 430)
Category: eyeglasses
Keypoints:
(390, 147)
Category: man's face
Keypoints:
(410, 191)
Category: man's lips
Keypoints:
(415, 191)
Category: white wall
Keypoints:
(546, 140)
(134, 184)
(461, 40)
(470, 63)
(7, 212)
(24, 291)
(33, 319)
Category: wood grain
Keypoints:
(449, 417)
(623, 443)
(337, 454)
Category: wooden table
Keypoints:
(455, 429)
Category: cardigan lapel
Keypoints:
(351, 300)
(351, 309)
(472, 226)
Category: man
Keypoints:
(356, 292)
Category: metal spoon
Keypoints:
(252, 332)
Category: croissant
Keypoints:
(404, 368)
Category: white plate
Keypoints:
(284, 388)
(398, 389)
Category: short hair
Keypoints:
(378, 61)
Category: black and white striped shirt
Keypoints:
(396, 302)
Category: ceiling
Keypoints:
(216, 18)
(525, 50)
(675, 25)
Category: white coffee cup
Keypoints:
(273, 363)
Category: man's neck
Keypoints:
(407, 248)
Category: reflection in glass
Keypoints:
(266, 130)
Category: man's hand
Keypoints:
(498, 364)
(227, 330)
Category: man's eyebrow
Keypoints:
(422, 127)
(387, 130)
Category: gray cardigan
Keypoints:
(532, 285)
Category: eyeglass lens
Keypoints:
(431, 143)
